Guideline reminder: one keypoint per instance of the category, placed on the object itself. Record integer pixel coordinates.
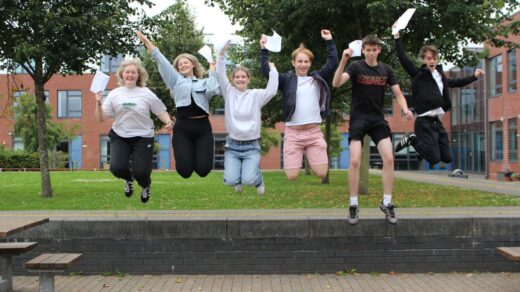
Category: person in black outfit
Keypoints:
(430, 95)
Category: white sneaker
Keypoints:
(260, 190)
(239, 188)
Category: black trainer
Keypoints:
(389, 213)
(404, 142)
(146, 193)
(129, 188)
(353, 215)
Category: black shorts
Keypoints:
(376, 127)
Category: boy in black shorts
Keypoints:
(369, 79)
(431, 97)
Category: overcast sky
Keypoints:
(211, 19)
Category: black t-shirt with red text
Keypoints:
(368, 86)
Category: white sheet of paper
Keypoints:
(274, 43)
(402, 22)
(439, 112)
(206, 53)
(220, 40)
(100, 81)
(356, 47)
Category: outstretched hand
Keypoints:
(326, 34)
(409, 115)
(263, 41)
(271, 65)
(396, 35)
(479, 73)
(224, 48)
(347, 53)
(99, 97)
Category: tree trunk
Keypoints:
(328, 121)
(363, 168)
(41, 117)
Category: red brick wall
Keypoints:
(505, 106)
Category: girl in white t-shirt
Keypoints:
(132, 133)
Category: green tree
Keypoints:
(26, 125)
(446, 24)
(49, 37)
(268, 138)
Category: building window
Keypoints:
(497, 141)
(18, 144)
(513, 140)
(220, 142)
(104, 152)
(495, 81)
(110, 64)
(69, 104)
(511, 63)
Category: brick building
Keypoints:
(484, 135)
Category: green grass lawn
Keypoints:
(90, 190)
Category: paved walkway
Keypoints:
(492, 282)
(474, 181)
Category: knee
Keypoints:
(321, 173)
(388, 162)
(354, 164)
(118, 170)
(203, 172)
(184, 173)
(250, 180)
(292, 176)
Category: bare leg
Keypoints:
(385, 150)
(355, 162)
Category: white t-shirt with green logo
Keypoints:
(131, 109)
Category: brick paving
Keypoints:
(473, 282)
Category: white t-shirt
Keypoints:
(131, 108)
(307, 103)
(438, 78)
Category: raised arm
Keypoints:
(212, 86)
(272, 86)
(327, 70)
(146, 42)
(405, 61)
(459, 82)
(340, 77)
(223, 80)
(168, 73)
(264, 62)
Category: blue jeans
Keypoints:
(242, 163)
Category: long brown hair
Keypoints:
(198, 70)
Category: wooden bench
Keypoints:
(7, 251)
(512, 253)
(49, 264)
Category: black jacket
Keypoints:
(425, 92)
(288, 82)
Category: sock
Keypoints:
(387, 199)
(353, 201)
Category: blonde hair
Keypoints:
(143, 75)
(240, 68)
(198, 70)
(302, 49)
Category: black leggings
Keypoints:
(137, 149)
(192, 142)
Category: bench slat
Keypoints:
(16, 247)
(512, 253)
(57, 261)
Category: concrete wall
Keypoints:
(220, 246)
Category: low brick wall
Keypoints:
(263, 245)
